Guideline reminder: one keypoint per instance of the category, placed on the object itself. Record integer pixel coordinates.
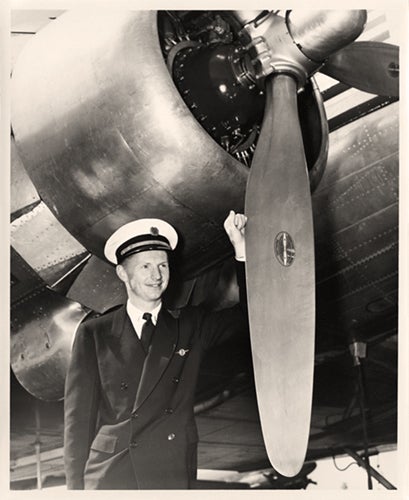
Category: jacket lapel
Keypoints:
(118, 321)
(127, 348)
(162, 348)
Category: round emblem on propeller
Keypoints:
(284, 249)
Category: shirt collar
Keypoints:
(136, 314)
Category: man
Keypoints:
(129, 394)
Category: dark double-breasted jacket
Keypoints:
(129, 421)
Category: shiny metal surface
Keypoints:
(42, 331)
(299, 43)
(53, 259)
(22, 191)
(246, 16)
(281, 297)
(119, 143)
(272, 50)
(356, 229)
(369, 66)
(319, 33)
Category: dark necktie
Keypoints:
(147, 331)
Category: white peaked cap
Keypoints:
(140, 236)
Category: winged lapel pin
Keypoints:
(182, 352)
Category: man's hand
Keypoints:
(234, 226)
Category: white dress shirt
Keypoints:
(136, 314)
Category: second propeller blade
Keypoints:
(369, 66)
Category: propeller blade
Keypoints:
(281, 279)
(369, 66)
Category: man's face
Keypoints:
(146, 276)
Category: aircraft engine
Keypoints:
(211, 67)
(42, 331)
(106, 137)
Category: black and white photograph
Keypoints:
(204, 266)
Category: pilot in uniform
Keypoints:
(130, 387)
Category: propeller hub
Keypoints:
(298, 43)
(272, 50)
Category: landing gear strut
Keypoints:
(358, 352)
(373, 472)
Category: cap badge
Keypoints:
(154, 231)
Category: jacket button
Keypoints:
(124, 386)
(133, 444)
(169, 411)
(134, 414)
(171, 437)
(175, 380)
